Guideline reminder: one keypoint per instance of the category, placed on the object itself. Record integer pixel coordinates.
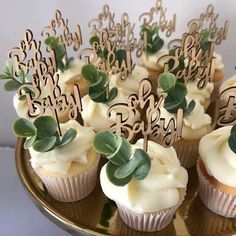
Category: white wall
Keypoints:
(16, 16)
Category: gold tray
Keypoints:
(97, 215)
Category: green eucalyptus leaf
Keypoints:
(68, 136)
(105, 142)
(172, 105)
(46, 126)
(22, 76)
(190, 108)
(29, 141)
(143, 164)
(232, 142)
(122, 153)
(110, 171)
(233, 130)
(24, 128)
(4, 76)
(28, 79)
(9, 67)
(90, 73)
(22, 98)
(167, 81)
(121, 55)
(12, 85)
(112, 94)
(45, 144)
(127, 169)
(94, 39)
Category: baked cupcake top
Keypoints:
(159, 190)
(218, 158)
(60, 159)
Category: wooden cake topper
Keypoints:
(121, 33)
(207, 21)
(149, 18)
(28, 57)
(151, 123)
(58, 23)
(227, 112)
(110, 65)
(199, 64)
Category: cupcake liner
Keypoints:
(216, 200)
(215, 93)
(73, 188)
(149, 221)
(187, 152)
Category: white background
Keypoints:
(19, 216)
(16, 16)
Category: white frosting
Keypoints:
(218, 158)
(60, 159)
(231, 82)
(95, 114)
(72, 73)
(218, 64)
(149, 61)
(131, 84)
(159, 190)
(203, 95)
(195, 125)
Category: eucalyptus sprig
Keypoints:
(176, 92)
(205, 42)
(13, 83)
(60, 53)
(120, 54)
(232, 139)
(154, 41)
(42, 134)
(99, 84)
(122, 164)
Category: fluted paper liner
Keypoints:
(187, 152)
(73, 188)
(216, 200)
(149, 221)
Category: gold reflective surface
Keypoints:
(97, 215)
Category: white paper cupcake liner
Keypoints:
(74, 188)
(187, 153)
(216, 200)
(149, 221)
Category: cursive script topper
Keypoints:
(150, 122)
(227, 107)
(198, 64)
(159, 12)
(59, 28)
(43, 93)
(207, 21)
(111, 64)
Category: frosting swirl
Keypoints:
(149, 61)
(195, 125)
(218, 158)
(131, 84)
(159, 190)
(60, 159)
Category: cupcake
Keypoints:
(196, 122)
(217, 171)
(147, 187)
(154, 51)
(67, 166)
